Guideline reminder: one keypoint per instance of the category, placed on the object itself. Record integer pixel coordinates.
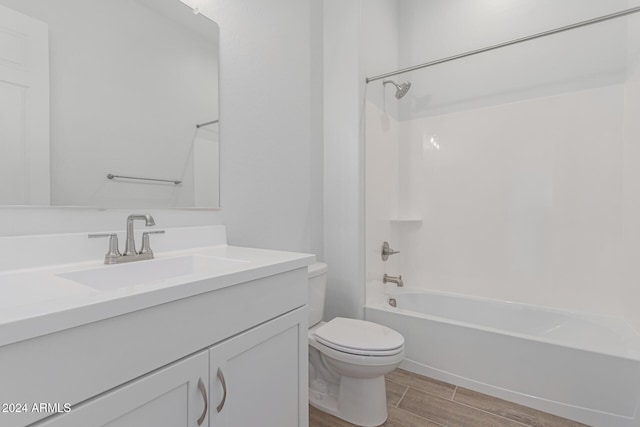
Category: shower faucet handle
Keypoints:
(386, 251)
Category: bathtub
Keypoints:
(577, 366)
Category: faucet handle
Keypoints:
(113, 254)
(146, 248)
(386, 251)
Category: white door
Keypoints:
(259, 378)
(174, 396)
(24, 109)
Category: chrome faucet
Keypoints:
(130, 244)
(392, 279)
(114, 256)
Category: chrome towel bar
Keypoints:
(207, 123)
(173, 181)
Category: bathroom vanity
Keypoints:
(205, 335)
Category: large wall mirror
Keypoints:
(108, 103)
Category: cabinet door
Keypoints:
(169, 397)
(259, 377)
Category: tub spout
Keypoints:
(392, 279)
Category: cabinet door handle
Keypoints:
(203, 392)
(224, 389)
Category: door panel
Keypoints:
(262, 371)
(169, 397)
(24, 109)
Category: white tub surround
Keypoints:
(579, 366)
(71, 331)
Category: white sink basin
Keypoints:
(154, 271)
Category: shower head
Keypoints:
(401, 89)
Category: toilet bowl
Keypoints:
(348, 359)
(346, 379)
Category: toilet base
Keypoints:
(362, 402)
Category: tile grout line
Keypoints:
(402, 397)
(492, 413)
(438, 394)
(421, 417)
(452, 399)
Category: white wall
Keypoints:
(628, 286)
(435, 29)
(430, 30)
(266, 143)
(343, 165)
(270, 179)
(317, 163)
(359, 40)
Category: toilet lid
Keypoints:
(359, 337)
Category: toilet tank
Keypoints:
(317, 288)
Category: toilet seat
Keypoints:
(359, 337)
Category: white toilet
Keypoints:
(348, 359)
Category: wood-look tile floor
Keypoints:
(417, 401)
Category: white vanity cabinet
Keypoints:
(154, 366)
(252, 379)
(172, 396)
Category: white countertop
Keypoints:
(38, 301)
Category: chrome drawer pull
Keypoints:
(203, 391)
(224, 388)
